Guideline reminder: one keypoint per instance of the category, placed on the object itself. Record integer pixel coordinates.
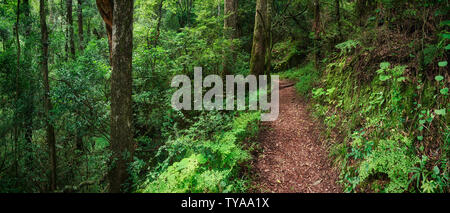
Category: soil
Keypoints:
(293, 159)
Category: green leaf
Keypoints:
(446, 35)
(384, 77)
(444, 91)
(436, 170)
(385, 65)
(401, 79)
(447, 47)
(439, 78)
(420, 138)
(440, 111)
(443, 63)
(446, 22)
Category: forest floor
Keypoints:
(293, 158)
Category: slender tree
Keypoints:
(69, 20)
(105, 7)
(18, 91)
(259, 48)
(268, 31)
(231, 32)
(316, 29)
(80, 24)
(47, 103)
(338, 17)
(28, 98)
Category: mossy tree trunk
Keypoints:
(259, 47)
(231, 32)
(121, 125)
(50, 131)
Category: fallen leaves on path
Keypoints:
(293, 158)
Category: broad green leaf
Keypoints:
(447, 47)
(443, 63)
(446, 22)
(436, 170)
(420, 138)
(440, 111)
(385, 65)
(439, 78)
(384, 77)
(401, 79)
(444, 91)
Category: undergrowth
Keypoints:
(392, 130)
(388, 127)
(198, 162)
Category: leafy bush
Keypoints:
(208, 165)
(305, 77)
(385, 128)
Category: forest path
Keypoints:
(293, 158)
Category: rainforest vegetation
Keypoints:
(85, 93)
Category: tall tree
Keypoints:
(105, 7)
(18, 91)
(316, 29)
(158, 25)
(338, 17)
(268, 31)
(28, 98)
(47, 103)
(80, 24)
(121, 89)
(231, 32)
(69, 20)
(259, 48)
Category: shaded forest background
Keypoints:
(375, 73)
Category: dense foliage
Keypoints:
(375, 72)
(383, 97)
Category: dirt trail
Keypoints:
(293, 158)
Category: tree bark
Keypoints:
(257, 61)
(105, 7)
(17, 117)
(29, 107)
(158, 23)
(70, 28)
(231, 32)
(80, 24)
(338, 18)
(121, 88)
(316, 29)
(268, 61)
(47, 103)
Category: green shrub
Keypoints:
(209, 165)
(305, 77)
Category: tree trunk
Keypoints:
(80, 24)
(158, 25)
(231, 32)
(338, 18)
(121, 88)
(29, 107)
(257, 61)
(70, 28)
(47, 103)
(17, 116)
(105, 7)
(316, 29)
(268, 61)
